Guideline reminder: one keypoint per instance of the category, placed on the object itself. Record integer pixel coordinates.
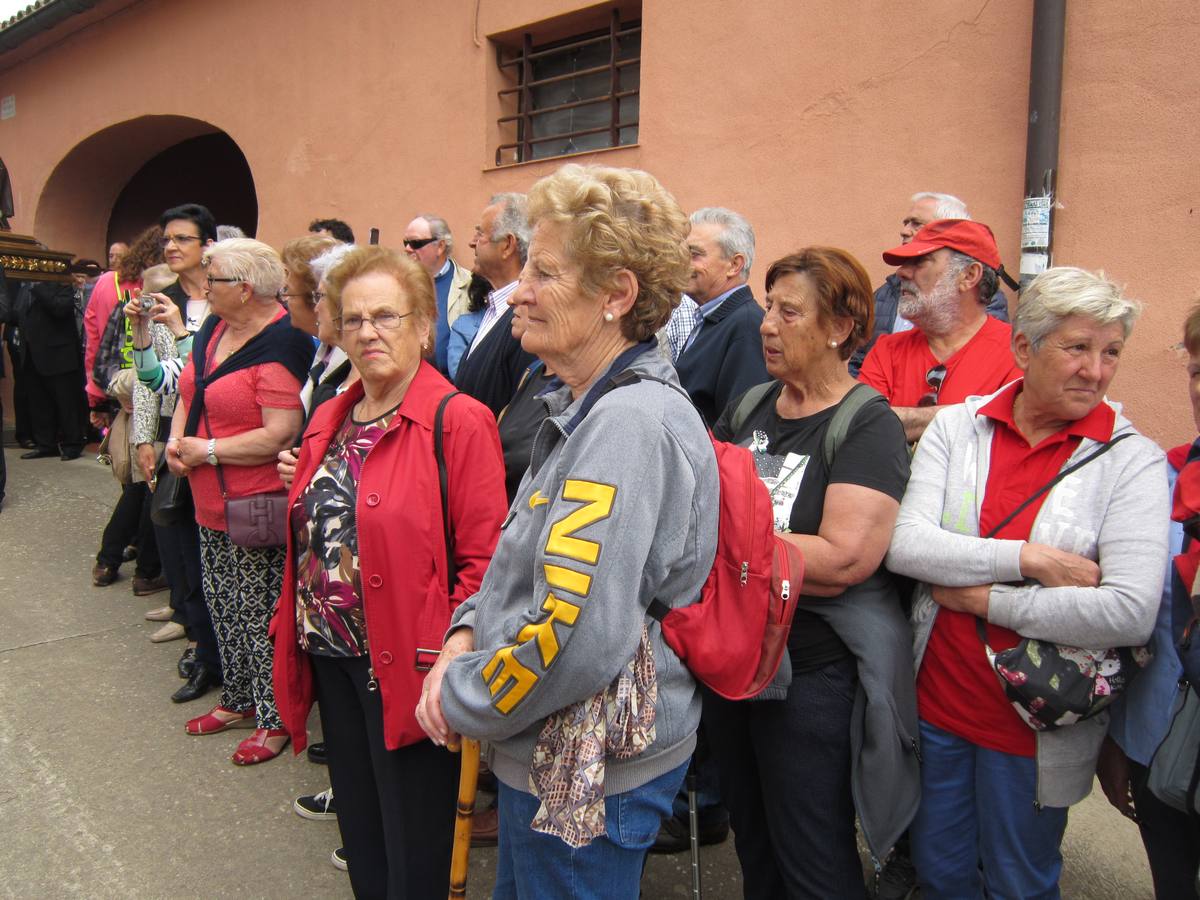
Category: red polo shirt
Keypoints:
(957, 690)
(898, 363)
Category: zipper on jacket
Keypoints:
(372, 684)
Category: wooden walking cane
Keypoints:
(468, 779)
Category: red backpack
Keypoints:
(733, 638)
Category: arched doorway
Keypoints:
(118, 180)
(208, 169)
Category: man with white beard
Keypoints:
(955, 350)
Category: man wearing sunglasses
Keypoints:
(428, 240)
(947, 273)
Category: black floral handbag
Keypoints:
(1051, 685)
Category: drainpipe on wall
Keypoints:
(1041, 144)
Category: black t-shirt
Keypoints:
(789, 458)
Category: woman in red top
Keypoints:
(1081, 565)
(239, 406)
(368, 590)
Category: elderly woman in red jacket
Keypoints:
(368, 588)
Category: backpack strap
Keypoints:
(440, 456)
(843, 417)
(747, 404)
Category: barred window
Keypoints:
(570, 95)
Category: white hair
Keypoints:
(1065, 291)
(439, 229)
(513, 219)
(946, 206)
(736, 234)
(250, 261)
(225, 232)
(327, 260)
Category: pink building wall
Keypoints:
(814, 120)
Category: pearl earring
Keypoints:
(833, 344)
(608, 317)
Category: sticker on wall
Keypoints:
(8, 106)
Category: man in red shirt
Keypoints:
(947, 272)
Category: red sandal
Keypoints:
(254, 749)
(211, 723)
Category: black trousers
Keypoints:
(57, 409)
(395, 807)
(3, 466)
(785, 776)
(179, 548)
(130, 524)
(1171, 837)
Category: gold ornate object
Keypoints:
(24, 258)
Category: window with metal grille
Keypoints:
(571, 95)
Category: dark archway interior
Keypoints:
(209, 169)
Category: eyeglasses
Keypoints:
(934, 378)
(382, 322)
(180, 240)
(283, 296)
(211, 281)
(418, 243)
(318, 296)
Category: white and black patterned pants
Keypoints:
(241, 588)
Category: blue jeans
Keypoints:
(978, 824)
(532, 865)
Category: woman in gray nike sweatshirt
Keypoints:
(589, 716)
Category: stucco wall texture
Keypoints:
(815, 119)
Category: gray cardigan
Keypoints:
(885, 774)
(1114, 510)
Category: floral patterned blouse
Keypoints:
(329, 610)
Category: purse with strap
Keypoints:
(259, 520)
(1051, 685)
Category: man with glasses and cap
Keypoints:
(947, 273)
(428, 240)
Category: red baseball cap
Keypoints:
(964, 235)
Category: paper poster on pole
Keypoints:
(1035, 222)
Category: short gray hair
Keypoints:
(513, 219)
(1065, 291)
(322, 264)
(250, 261)
(439, 229)
(225, 232)
(946, 206)
(736, 234)
(989, 280)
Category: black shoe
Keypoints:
(129, 553)
(673, 834)
(25, 444)
(316, 754)
(898, 880)
(201, 681)
(68, 455)
(187, 663)
(39, 453)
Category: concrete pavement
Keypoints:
(102, 794)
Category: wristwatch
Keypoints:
(212, 451)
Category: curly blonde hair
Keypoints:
(619, 219)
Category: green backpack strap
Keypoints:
(746, 405)
(856, 398)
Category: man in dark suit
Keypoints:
(51, 361)
(926, 207)
(723, 355)
(5, 315)
(492, 367)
